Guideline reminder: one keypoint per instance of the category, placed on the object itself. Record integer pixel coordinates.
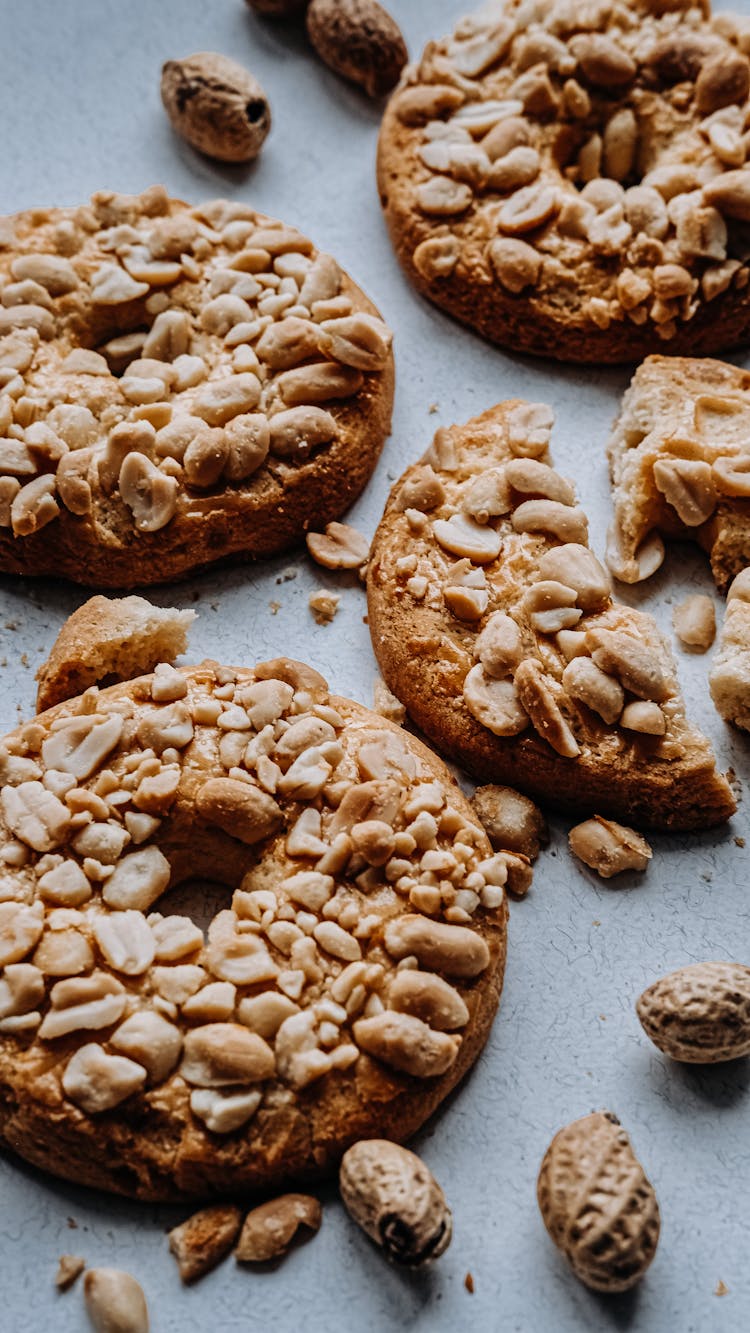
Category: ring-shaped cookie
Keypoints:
(571, 180)
(347, 986)
(177, 385)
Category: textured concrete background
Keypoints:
(81, 111)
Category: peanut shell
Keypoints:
(699, 1014)
(360, 41)
(216, 105)
(597, 1203)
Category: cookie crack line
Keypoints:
(494, 624)
(573, 182)
(178, 385)
(344, 990)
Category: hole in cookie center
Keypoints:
(200, 899)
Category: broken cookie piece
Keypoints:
(535, 676)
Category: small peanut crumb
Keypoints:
(324, 605)
(274, 607)
(721, 1289)
(739, 842)
(386, 703)
(469, 1283)
(69, 1267)
(694, 622)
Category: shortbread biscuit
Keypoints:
(177, 385)
(347, 986)
(679, 458)
(570, 179)
(494, 623)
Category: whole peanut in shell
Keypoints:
(597, 1203)
(216, 105)
(359, 40)
(699, 1014)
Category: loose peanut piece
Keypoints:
(694, 622)
(342, 547)
(699, 1014)
(201, 1242)
(608, 847)
(115, 1301)
(216, 105)
(597, 1203)
(269, 1230)
(396, 1200)
(359, 40)
(69, 1268)
(511, 820)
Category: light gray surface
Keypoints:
(81, 111)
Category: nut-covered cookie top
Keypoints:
(366, 896)
(155, 354)
(488, 607)
(590, 156)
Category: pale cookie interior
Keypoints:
(118, 637)
(729, 675)
(680, 462)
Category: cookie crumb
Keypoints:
(469, 1284)
(386, 703)
(721, 1289)
(432, 409)
(72, 1224)
(201, 1242)
(739, 842)
(323, 605)
(275, 607)
(288, 574)
(69, 1267)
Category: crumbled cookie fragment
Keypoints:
(324, 605)
(702, 496)
(69, 1268)
(386, 703)
(694, 622)
(513, 822)
(516, 659)
(608, 847)
(201, 1242)
(269, 1231)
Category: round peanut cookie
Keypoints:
(570, 180)
(494, 624)
(177, 385)
(347, 986)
